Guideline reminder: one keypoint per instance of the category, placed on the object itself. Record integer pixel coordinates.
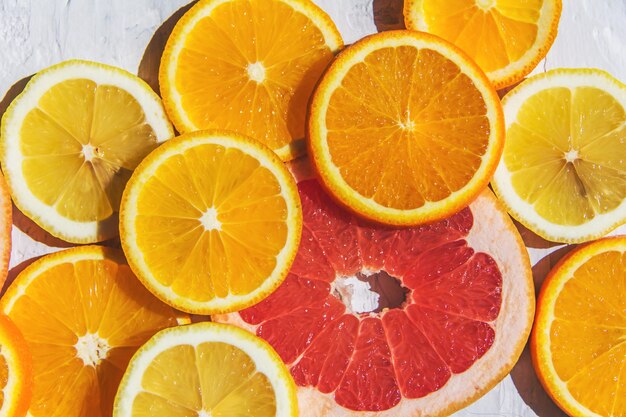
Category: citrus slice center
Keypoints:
(91, 349)
(209, 220)
(256, 72)
(485, 4)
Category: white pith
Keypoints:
(502, 182)
(492, 233)
(91, 349)
(12, 158)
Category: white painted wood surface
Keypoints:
(35, 34)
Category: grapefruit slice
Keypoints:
(6, 222)
(457, 322)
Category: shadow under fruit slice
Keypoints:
(457, 306)
(16, 370)
(578, 343)
(83, 315)
(210, 222)
(248, 66)
(404, 129)
(205, 370)
(71, 140)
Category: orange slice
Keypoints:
(70, 141)
(506, 38)
(6, 222)
(206, 369)
(83, 314)
(563, 172)
(16, 372)
(248, 66)
(211, 222)
(578, 343)
(404, 129)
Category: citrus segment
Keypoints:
(420, 139)
(83, 314)
(206, 369)
(211, 222)
(507, 39)
(349, 355)
(70, 142)
(251, 60)
(579, 339)
(561, 174)
(16, 372)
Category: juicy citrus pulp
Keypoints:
(16, 373)
(206, 369)
(506, 38)
(247, 66)
(457, 327)
(70, 142)
(83, 314)
(579, 338)
(404, 129)
(211, 222)
(563, 174)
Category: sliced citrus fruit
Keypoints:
(404, 129)
(248, 66)
(206, 369)
(16, 372)
(83, 314)
(506, 38)
(210, 222)
(6, 223)
(563, 172)
(400, 322)
(578, 344)
(70, 141)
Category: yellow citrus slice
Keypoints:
(6, 222)
(211, 221)
(83, 314)
(248, 66)
(404, 129)
(563, 172)
(506, 38)
(578, 343)
(16, 372)
(206, 369)
(70, 142)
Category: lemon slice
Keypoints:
(563, 171)
(70, 142)
(206, 369)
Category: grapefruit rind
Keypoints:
(523, 211)
(172, 98)
(148, 167)
(547, 25)
(6, 224)
(330, 175)
(554, 283)
(11, 156)
(265, 358)
(19, 385)
(492, 233)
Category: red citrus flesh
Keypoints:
(370, 361)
